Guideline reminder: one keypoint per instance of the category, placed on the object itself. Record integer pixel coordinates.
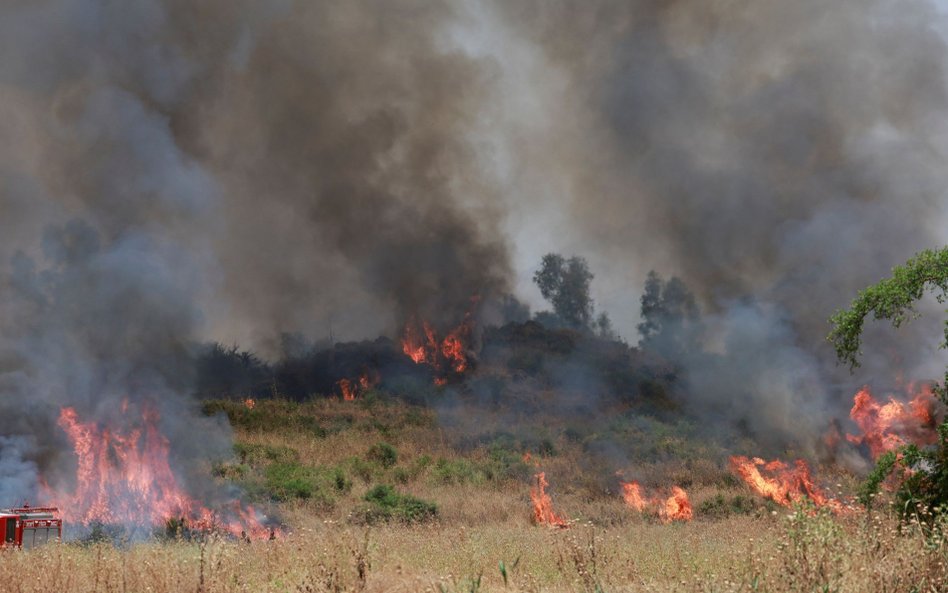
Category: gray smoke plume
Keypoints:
(173, 172)
(776, 156)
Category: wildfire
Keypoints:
(886, 427)
(448, 355)
(543, 512)
(351, 389)
(250, 403)
(780, 482)
(676, 507)
(124, 476)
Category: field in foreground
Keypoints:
(457, 517)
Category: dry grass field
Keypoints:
(319, 460)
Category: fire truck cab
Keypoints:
(27, 527)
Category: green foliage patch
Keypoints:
(384, 503)
(288, 481)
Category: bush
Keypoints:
(458, 471)
(288, 481)
(385, 504)
(404, 475)
(383, 454)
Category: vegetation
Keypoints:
(670, 317)
(923, 488)
(385, 504)
(376, 495)
(565, 284)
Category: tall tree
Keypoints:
(565, 284)
(669, 316)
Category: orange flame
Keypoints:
(445, 356)
(779, 482)
(124, 476)
(632, 493)
(676, 507)
(543, 512)
(352, 389)
(886, 427)
(348, 388)
(250, 402)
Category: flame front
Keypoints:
(779, 481)
(446, 356)
(886, 427)
(543, 512)
(350, 389)
(632, 493)
(124, 476)
(676, 507)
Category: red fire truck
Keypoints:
(27, 527)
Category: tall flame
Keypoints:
(886, 427)
(543, 512)
(350, 389)
(448, 355)
(124, 476)
(676, 507)
(779, 481)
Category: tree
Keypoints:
(565, 284)
(604, 327)
(893, 299)
(669, 316)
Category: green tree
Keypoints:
(669, 316)
(894, 299)
(565, 284)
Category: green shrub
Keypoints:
(383, 454)
(288, 481)
(457, 471)
(385, 504)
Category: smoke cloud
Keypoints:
(777, 156)
(172, 172)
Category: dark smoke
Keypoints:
(173, 172)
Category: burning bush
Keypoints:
(925, 479)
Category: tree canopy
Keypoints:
(669, 314)
(893, 299)
(565, 284)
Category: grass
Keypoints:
(777, 554)
(382, 499)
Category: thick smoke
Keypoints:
(171, 173)
(778, 156)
